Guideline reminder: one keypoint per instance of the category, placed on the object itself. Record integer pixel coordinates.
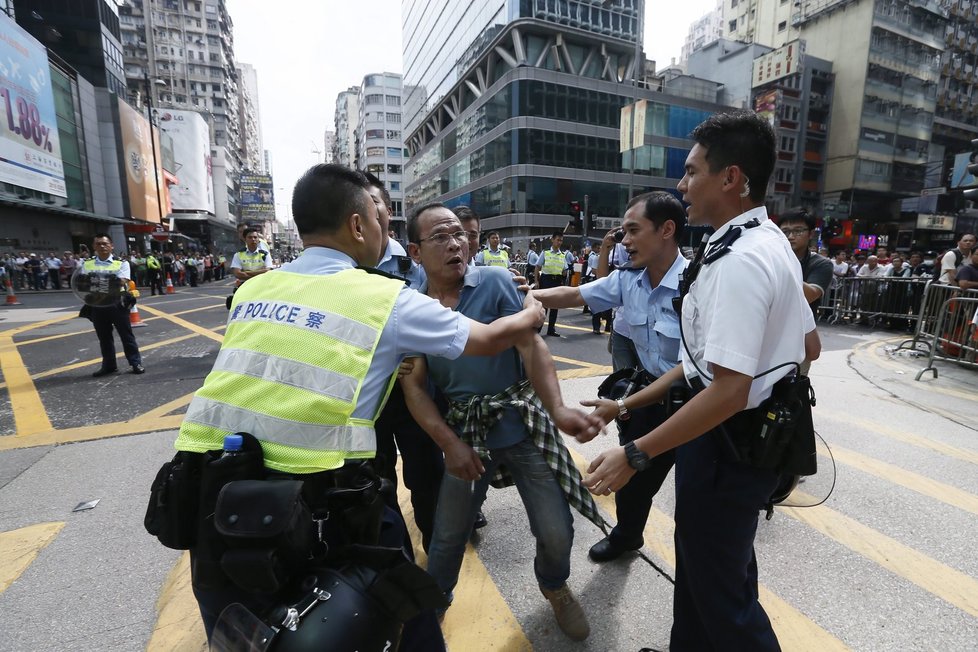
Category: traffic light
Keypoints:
(575, 209)
(574, 225)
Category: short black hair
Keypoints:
(661, 207)
(464, 213)
(101, 235)
(740, 138)
(413, 228)
(249, 230)
(492, 233)
(379, 185)
(326, 195)
(557, 234)
(797, 214)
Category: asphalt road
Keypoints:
(887, 563)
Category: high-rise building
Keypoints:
(380, 149)
(514, 108)
(252, 149)
(345, 120)
(703, 31)
(182, 53)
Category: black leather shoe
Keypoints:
(138, 369)
(553, 334)
(480, 521)
(104, 372)
(608, 549)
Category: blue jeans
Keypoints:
(550, 518)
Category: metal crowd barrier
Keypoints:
(870, 300)
(954, 337)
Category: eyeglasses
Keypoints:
(442, 239)
(794, 232)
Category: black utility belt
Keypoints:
(254, 527)
(561, 275)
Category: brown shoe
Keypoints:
(568, 612)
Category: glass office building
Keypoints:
(513, 107)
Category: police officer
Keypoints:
(494, 256)
(745, 314)
(422, 461)
(551, 267)
(653, 225)
(252, 260)
(115, 315)
(310, 353)
(155, 272)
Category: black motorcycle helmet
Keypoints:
(332, 611)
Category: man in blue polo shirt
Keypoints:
(496, 418)
(653, 226)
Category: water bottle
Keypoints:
(233, 445)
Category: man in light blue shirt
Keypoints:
(653, 226)
(497, 418)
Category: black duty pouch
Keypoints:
(778, 434)
(268, 529)
(218, 470)
(356, 508)
(171, 515)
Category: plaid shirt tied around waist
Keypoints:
(476, 417)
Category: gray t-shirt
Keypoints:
(817, 270)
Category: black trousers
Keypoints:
(104, 320)
(634, 501)
(155, 281)
(551, 281)
(423, 463)
(715, 604)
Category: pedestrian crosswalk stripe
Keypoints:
(20, 548)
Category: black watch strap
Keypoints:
(636, 458)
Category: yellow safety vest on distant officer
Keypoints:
(252, 261)
(112, 267)
(554, 262)
(498, 259)
(294, 359)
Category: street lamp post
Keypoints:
(152, 139)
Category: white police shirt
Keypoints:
(746, 310)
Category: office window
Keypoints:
(783, 25)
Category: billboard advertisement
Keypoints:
(194, 190)
(766, 105)
(256, 198)
(30, 152)
(141, 178)
(786, 60)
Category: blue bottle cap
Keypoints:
(233, 442)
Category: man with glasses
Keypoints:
(797, 224)
(504, 410)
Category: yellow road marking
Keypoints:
(88, 331)
(200, 330)
(166, 408)
(479, 618)
(25, 402)
(962, 454)
(944, 493)
(795, 630)
(584, 372)
(577, 328)
(21, 547)
(948, 584)
(17, 330)
(178, 624)
(90, 433)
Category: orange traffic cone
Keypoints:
(11, 297)
(169, 285)
(134, 319)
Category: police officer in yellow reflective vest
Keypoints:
(252, 260)
(309, 356)
(494, 256)
(112, 314)
(552, 264)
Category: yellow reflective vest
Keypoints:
(294, 358)
(554, 262)
(497, 259)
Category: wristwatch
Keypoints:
(623, 414)
(636, 458)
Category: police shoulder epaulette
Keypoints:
(371, 270)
